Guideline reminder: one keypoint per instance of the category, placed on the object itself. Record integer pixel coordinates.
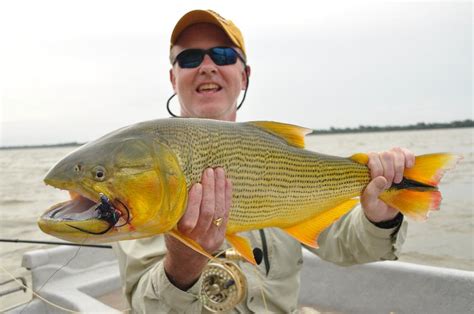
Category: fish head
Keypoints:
(121, 188)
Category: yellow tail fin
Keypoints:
(412, 203)
(429, 169)
(418, 193)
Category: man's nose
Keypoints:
(207, 65)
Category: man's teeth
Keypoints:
(208, 87)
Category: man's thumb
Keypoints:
(376, 186)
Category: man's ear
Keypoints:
(173, 79)
(247, 70)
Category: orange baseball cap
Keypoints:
(212, 17)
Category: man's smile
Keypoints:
(208, 88)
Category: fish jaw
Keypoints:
(62, 220)
(143, 201)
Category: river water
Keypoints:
(446, 239)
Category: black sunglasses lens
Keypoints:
(223, 55)
(190, 58)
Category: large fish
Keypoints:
(133, 182)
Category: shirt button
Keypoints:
(251, 299)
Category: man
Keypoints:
(162, 274)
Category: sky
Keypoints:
(75, 70)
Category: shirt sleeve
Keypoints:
(353, 239)
(146, 284)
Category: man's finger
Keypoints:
(190, 218)
(398, 165)
(227, 204)
(206, 213)
(375, 165)
(220, 193)
(228, 196)
(388, 170)
(409, 158)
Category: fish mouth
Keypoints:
(86, 215)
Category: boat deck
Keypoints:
(90, 282)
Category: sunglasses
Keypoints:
(192, 58)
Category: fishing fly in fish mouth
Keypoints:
(103, 210)
(106, 212)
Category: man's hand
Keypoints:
(207, 201)
(385, 168)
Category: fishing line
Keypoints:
(128, 214)
(34, 293)
(55, 272)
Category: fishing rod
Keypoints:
(102, 246)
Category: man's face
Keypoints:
(207, 91)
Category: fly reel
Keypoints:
(223, 285)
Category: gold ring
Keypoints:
(218, 221)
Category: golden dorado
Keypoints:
(134, 182)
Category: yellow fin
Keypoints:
(189, 242)
(429, 169)
(415, 204)
(241, 245)
(360, 158)
(308, 231)
(292, 134)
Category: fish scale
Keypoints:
(280, 185)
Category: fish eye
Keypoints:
(99, 173)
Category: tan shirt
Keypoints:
(351, 240)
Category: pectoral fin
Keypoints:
(241, 245)
(189, 242)
(308, 231)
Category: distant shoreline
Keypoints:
(419, 126)
(332, 130)
(71, 144)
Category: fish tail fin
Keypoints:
(429, 169)
(412, 203)
(418, 193)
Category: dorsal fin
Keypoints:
(292, 134)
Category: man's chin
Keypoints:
(211, 111)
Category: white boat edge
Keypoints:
(381, 287)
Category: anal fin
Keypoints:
(308, 231)
(241, 245)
